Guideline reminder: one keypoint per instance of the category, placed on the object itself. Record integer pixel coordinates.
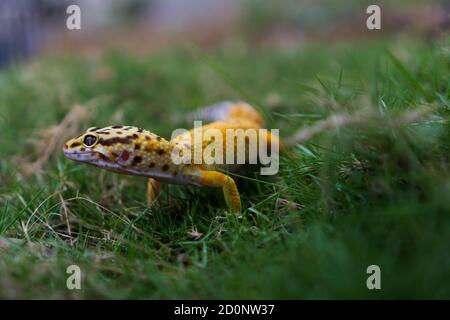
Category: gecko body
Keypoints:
(136, 151)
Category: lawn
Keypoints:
(372, 192)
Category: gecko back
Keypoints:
(231, 142)
(228, 111)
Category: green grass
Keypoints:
(376, 193)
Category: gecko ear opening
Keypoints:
(90, 140)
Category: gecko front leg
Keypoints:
(230, 191)
(153, 190)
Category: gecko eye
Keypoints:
(89, 140)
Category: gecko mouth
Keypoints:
(82, 156)
(95, 158)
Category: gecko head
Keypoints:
(86, 147)
(116, 148)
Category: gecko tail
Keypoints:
(227, 111)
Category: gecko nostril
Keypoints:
(65, 146)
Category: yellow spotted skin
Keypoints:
(135, 151)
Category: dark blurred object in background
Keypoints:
(20, 29)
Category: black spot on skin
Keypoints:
(103, 132)
(135, 136)
(116, 127)
(82, 149)
(148, 137)
(75, 144)
(137, 160)
(93, 129)
(160, 151)
(115, 155)
(137, 146)
(110, 142)
(151, 165)
(165, 167)
(101, 155)
(127, 128)
(158, 138)
(119, 132)
(140, 130)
